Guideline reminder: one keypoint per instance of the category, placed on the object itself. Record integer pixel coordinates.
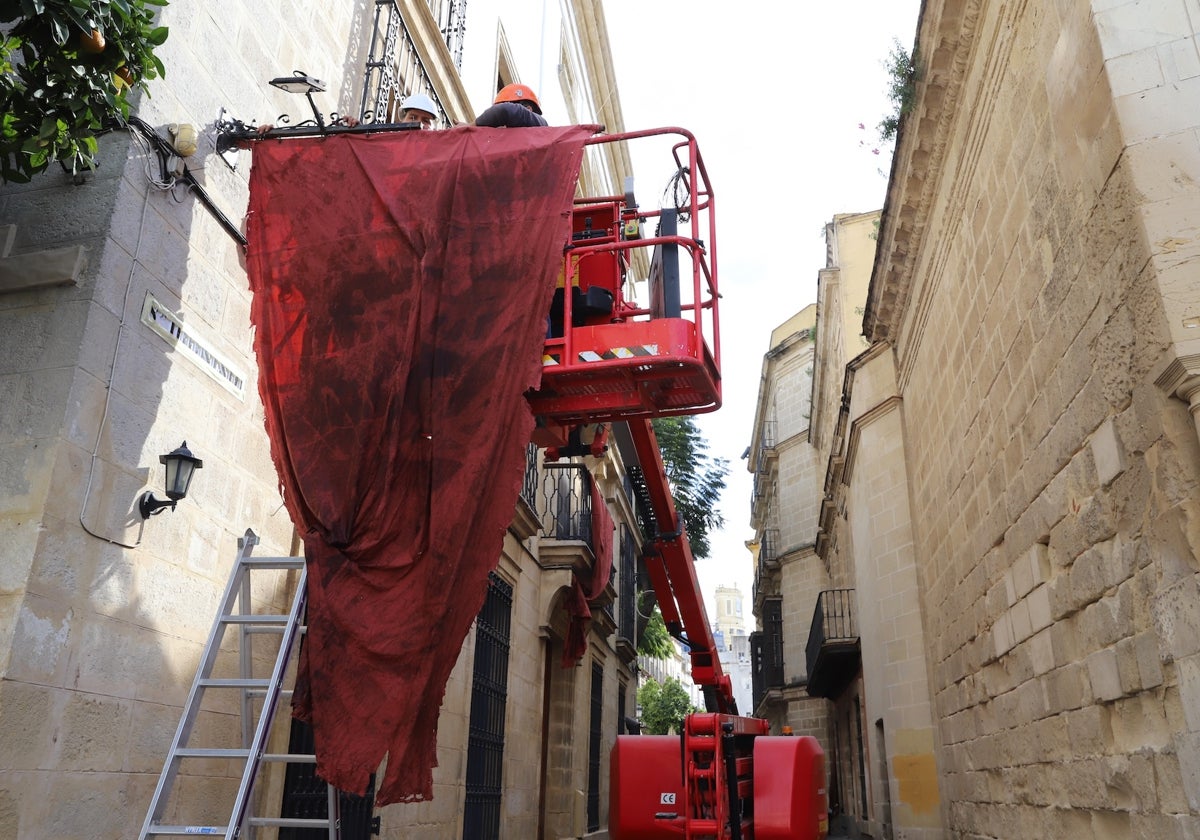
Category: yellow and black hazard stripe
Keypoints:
(634, 351)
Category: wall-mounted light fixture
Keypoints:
(300, 82)
(180, 466)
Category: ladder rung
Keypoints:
(273, 629)
(186, 830)
(290, 758)
(288, 822)
(255, 619)
(288, 628)
(210, 752)
(273, 562)
(212, 683)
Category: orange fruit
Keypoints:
(92, 42)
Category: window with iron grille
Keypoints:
(773, 625)
(758, 684)
(594, 736)
(306, 796)
(772, 643)
(451, 18)
(621, 689)
(394, 67)
(768, 551)
(529, 486)
(627, 586)
(566, 510)
(489, 696)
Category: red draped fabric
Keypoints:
(577, 601)
(401, 283)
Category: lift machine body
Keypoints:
(619, 354)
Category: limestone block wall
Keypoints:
(802, 578)
(1054, 482)
(793, 392)
(883, 567)
(102, 618)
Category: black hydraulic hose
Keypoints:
(731, 781)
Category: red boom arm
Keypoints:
(672, 572)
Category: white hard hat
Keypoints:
(419, 102)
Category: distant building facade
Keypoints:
(733, 645)
(1013, 457)
(814, 603)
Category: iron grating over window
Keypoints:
(306, 796)
(621, 689)
(529, 486)
(627, 587)
(766, 651)
(567, 496)
(595, 734)
(394, 69)
(452, 22)
(489, 697)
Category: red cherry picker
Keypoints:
(614, 359)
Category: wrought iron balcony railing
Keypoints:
(766, 651)
(833, 651)
(566, 509)
(766, 439)
(768, 547)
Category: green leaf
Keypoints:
(56, 98)
(59, 30)
(13, 175)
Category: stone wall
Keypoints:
(103, 617)
(1054, 483)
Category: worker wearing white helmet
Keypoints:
(418, 108)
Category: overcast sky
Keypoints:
(784, 98)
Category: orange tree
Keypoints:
(664, 706)
(66, 69)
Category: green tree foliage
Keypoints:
(696, 478)
(664, 706)
(655, 641)
(903, 73)
(66, 69)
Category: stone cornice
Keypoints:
(946, 37)
(1181, 371)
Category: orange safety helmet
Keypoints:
(518, 93)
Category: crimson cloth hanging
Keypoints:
(400, 288)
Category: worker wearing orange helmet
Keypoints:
(515, 106)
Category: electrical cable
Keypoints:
(678, 193)
(137, 250)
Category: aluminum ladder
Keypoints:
(236, 611)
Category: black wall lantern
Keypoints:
(180, 466)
